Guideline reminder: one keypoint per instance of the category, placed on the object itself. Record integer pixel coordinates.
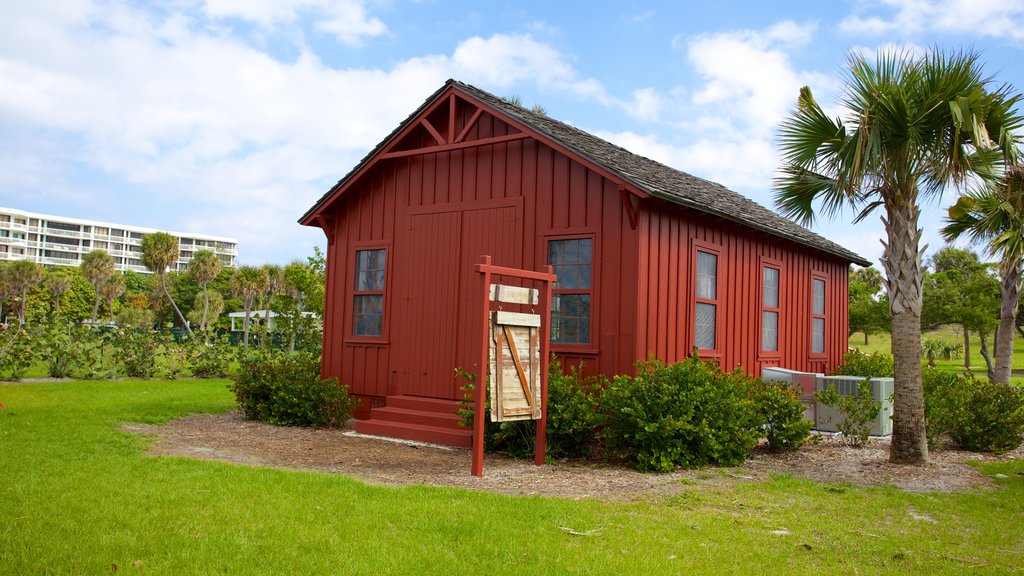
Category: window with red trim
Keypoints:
(770, 310)
(706, 310)
(573, 263)
(368, 293)
(818, 316)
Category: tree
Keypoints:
(914, 125)
(960, 290)
(58, 283)
(111, 289)
(204, 268)
(996, 215)
(249, 282)
(275, 283)
(96, 267)
(6, 288)
(159, 252)
(299, 280)
(24, 274)
(869, 309)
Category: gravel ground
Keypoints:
(229, 437)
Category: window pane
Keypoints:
(819, 296)
(818, 335)
(707, 275)
(705, 326)
(771, 288)
(770, 331)
(570, 318)
(370, 267)
(571, 260)
(368, 315)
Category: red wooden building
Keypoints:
(650, 260)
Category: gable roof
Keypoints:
(637, 172)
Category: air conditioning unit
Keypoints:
(802, 382)
(827, 418)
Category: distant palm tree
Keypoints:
(112, 288)
(6, 288)
(96, 267)
(913, 126)
(275, 284)
(204, 268)
(249, 282)
(58, 283)
(996, 215)
(160, 252)
(24, 274)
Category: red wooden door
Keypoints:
(437, 294)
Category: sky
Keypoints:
(233, 117)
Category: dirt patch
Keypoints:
(229, 437)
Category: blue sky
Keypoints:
(232, 117)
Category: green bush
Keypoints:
(70, 351)
(977, 414)
(137, 349)
(16, 352)
(286, 389)
(781, 412)
(859, 411)
(574, 417)
(209, 359)
(685, 414)
(875, 365)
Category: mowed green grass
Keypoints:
(78, 496)
(883, 343)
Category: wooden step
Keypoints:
(461, 437)
(422, 403)
(409, 416)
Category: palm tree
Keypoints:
(275, 284)
(996, 215)
(24, 274)
(112, 288)
(204, 267)
(58, 283)
(96, 267)
(913, 126)
(249, 282)
(159, 252)
(6, 288)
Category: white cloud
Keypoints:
(995, 18)
(215, 135)
(347, 20)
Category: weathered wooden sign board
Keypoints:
(515, 359)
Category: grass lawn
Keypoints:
(77, 496)
(883, 343)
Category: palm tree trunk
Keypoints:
(967, 346)
(902, 261)
(245, 323)
(206, 306)
(56, 308)
(96, 305)
(21, 307)
(984, 354)
(163, 284)
(1010, 288)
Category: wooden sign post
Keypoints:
(517, 343)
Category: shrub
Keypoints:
(781, 412)
(286, 389)
(573, 416)
(876, 365)
(68, 351)
(859, 411)
(979, 415)
(16, 352)
(685, 414)
(137, 350)
(209, 360)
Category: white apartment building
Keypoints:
(59, 241)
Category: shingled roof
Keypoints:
(649, 176)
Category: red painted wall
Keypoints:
(437, 213)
